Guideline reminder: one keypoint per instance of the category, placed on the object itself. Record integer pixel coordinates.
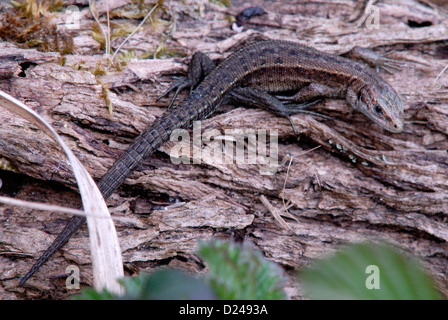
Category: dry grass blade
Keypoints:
(436, 81)
(43, 206)
(106, 254)
(94, 13)
(276, 213)
(135, 30)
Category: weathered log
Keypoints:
(362, 183)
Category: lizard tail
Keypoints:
(73, 224)
(141, 148)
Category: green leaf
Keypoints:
(160, 285)
(92, 294)
(368, 271)
(166, 284)
(239, 272)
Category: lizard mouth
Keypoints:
(397, 127)
(393, 126)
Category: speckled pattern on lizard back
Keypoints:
(250, 75)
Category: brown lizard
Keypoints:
(251, 75)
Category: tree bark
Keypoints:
(361, 183)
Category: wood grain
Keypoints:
(362, 183)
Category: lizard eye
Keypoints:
(378, 110)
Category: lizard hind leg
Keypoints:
(198, 68)
(374, 59)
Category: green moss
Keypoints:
(28, 23)
(105, 95)
(222, 3)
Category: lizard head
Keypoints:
(381, 103)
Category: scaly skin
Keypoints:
(257, 69)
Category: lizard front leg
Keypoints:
(314, 91)
(259, 98)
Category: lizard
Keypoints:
(256, 75)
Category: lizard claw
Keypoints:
(293, 108)
(180, 84)
(301, 108)
(374, 59)
(388, 64)
(292, 125)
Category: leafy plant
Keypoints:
(239, 272)
(368, 271)
(235, 272)
(160, 285)
(361, 271)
